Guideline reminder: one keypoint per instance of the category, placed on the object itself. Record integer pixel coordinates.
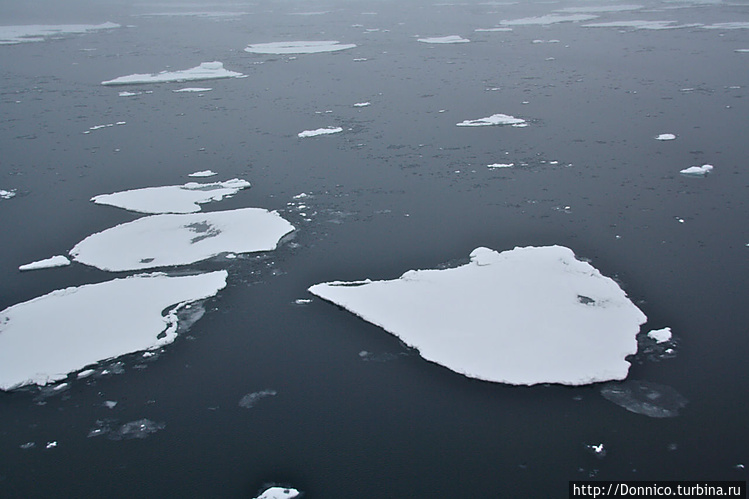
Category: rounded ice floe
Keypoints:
(319, 131)
(697, 171)
(205, 71)
(38, 32)
(54, 261)
(279, 493)
(495, 119)
(44, 339)
(172, 198)
(303, 47)
(665, 136)
(445, 39)
(526, 316)
(170, 240)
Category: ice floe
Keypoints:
(697, 171)
(643, 397)
(279, 493)
(319, 131)
(44, 339)
(193, 89)
(248, 401)
(203, 173)
(547, 19)
(129, 94)
(492, 29)
(600, 8)
(525, 316)
(205, 71)
(665, 136)
(495, 119)
(742, 51)
(298, 47)
(362, 104)
(728, 25)
(55, 261)
(660, 335)
(10, 35)
(7, 194)
(445, 39)
(185, 198)
(204, 14)
(501, 165)
(654, 25)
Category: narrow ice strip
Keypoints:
(501, 165)
(600, 8)
(302, 47)
(44, 339)
(54, 261)
(7, 194)
(319, 131)
(170, 240)
(548, 19)
(192, 89)
(362, 104)
(205, 14)
(492, 29)
(203, 173)
(665, 136)
(495, 119)
(445, 39)
(205, 71)
(660, 335)
(279, 493)
(525, 316)
(697, 171)
(729, 25)
(635, 25)
(129, 94)
(10, 35)
(172, 198)
(742, 51)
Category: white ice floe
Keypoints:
(501, 165)
(193, 89)
(44, 339)
(206, 71)
(742, 51)
(279, 493)
(362, 104)
(600, 8)
(526, 316)
(660, 335)
(495, 119)
(169, 240)
(319, 131)
(203, 173)
(55, 261)
(7, 194)
(445, 39)
(38, 32)
(492, 29)
(548, 19)
(729, 25)
(298, 47)
(185, 198)
(129, 94)
(697, 171)
(665, 136)
(654, 25)
(106, 125)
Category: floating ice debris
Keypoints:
(44, 339)
(7, 194)
(279, 493)
(109, 404)
(362, 104)
(206, 71)
(141, 428)
(730, 25)
(495, 119)
(319, 131)
(297, 47)
(302, 301)
(51, 445)
(641, 25)
(526, 316)
(28, 445)
(248, 401)
(600, 8)
(38, 32)
(666, 136)
(203, 173)
(660, 335)
(643, 397)
(129, 94)
(697, 171)
(108, 125)
(55, 261)
(492, 29)
(548, 19)
(168, 240)
(501, 165)
(193, 89)
(597, 450)
(172, 198)
(445, 39)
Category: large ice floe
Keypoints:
(205, 71)
(185, 198)
(445, 39)
(181, 239)
(44, 339)
(10, 35)
(548, 19)
(495, 119)
(298, 47)
(525, 316)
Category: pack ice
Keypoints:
(303, 47)
(10, 35)
(525, 316)
(44, 339)
(205, 71)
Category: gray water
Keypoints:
(400, 188)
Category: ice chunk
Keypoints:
(445, 39)
(55, 261)
(665, 136)
(206, 71)
(495, 119)
(654, 25)
(203, 173)
(7, 194)
(172, 198)
(697, 171)
(193, 89)
(44, 339)
(278, 493)
(168, 240)
(297, 47)
(548, 19)
(38, 32)
(362, 104)
(660, 335)
(319, 131)
(501, 165)
(526, 316)
(643, 397)
(248, 401)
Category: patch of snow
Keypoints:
(248, 401)
(193, 89)
(445, 39)
(697, 171)
(526, 316)
(495, 119)
(654, 25)
(205, 71)
(7, 194)
(646, 398)
(44, 339)
(55, 261)
(319, 131)
(203, 173)
(297, 47)
(660, 335)
(548, 19)
(279, 493)
(362, 104)
(185, 198)
(10, 35)
(666, 136)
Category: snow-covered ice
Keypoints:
(54, 261)
(660, 335)
(10, 35)
(697, 171)
(203, 173)
(44, 339)
(279, 493)
(303, 47)
(445, 39)
(525, 316)
(185, 198)
(319, 131)
(205, 71)
(547, 19)
(665, 136)
(654, 25)
(643, 397)
(7, 194)
(192, 89)
(495, 119)
(181, 239)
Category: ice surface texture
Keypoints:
(526, 316)
(44, 339)
(38, 32)
(643, 397)
(297, 47)
(206, 71)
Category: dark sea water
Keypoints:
(341, 408)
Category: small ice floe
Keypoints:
(142, 428)
(697, 171)
(501, 165)
(643, 397)
(302, 301)
(665, 136)
(129, 94)
(319, 131)
(635, 25)
(110, 404)
(54, 261)
(729, 25)
(444, 39)
(597, 450)
(279, 493)
(170, 240)
(203, 173)
(660, 335)
(492, 29)
(298, 47)
(193, 89)
(10, 35)
(600, 8)
(548, 19)
(525, 316)
(51, 445)
(107, 125)
(545, 41)
(206, 71)
(362, 104)
(742, 51)
(495, 119)
(44, 339)
(248, 401)
(185, 198)
(7, 194)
